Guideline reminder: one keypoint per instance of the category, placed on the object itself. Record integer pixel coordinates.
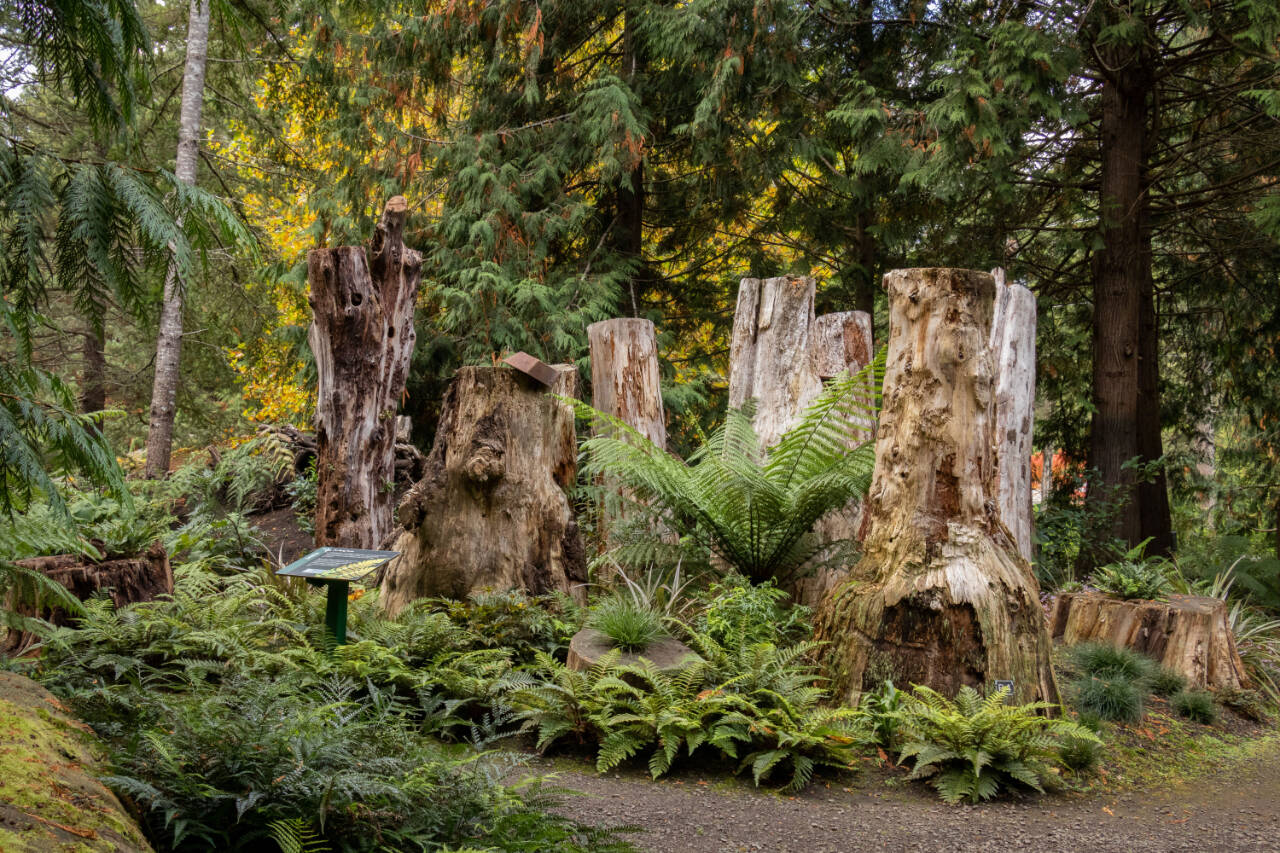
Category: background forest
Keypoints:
(165, 169)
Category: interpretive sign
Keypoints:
(337, 564)
(337, 568)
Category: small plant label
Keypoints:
(1006, 686)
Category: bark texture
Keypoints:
(1126, 421)
(1013, 350)
(164, 390)
(1188, 634)
(362, 336)
(624, 375)
(491, 510)
(770, 357)
(941, 596)
(841, 342)
(129, 579)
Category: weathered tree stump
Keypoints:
(941, 596)
(770, 357)
(129, 579)
(491, 510)
(362, 336)
(1013, 348)
(668, 654)
(624, 375)
(625, 383)
(1188, 634)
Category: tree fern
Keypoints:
(752, 507)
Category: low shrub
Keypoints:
(1196, 705)
(738, 611)
(630, 626)
(1115, 697)
(1247, 703)
(971, 748)
(513, 620)
(1165, 682)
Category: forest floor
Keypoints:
(1236, 808)
(1177, 786)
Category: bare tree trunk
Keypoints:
(1013, 350)
(492, 509)
(362, 336)
(93, 381)
(941, 596)
(164, 390)
(770, 355)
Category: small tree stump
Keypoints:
(129, 579)
(1189, 634)
(668, 654)
(491, 510)
(1013, 348)
(362, 336)
(941, 596)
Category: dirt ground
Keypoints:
(1233, 810)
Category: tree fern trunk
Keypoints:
(941, 596)
(164, 390)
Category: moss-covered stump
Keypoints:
(50, 797)
(668, 654)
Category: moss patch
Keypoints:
(50, 798)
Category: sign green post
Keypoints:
(337, 568)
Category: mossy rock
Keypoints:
(668, 654)
(50, 796)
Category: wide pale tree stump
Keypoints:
(625, 383)
(492, 510)
(1189, 634)
(1013, 348)
(362, 336)
(941, 596)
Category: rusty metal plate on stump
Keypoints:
(532, 367)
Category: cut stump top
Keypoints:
(668, 654)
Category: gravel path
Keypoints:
(1232, 811)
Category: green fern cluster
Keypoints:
(246, 477)
(752, 507)
(757, 704)
(230, 720)
(972, 747)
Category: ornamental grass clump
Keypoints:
(1106, 661)
(1166, 682)
(1115, 698)
(1196, 705)
(971, 748)
(631, 627)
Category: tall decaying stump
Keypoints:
(491, 511)
(941, 596)
(362, 336)
(780, 356)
